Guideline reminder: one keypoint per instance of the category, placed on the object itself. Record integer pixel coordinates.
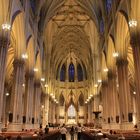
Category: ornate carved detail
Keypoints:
(37, 84)
(4, 39)
(121, 62)
(111, 75)
(18, 63)
(29, 75)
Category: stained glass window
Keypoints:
(101, 26)
(32, 2)
(79, 72)
(71, 111)
(63, 73)
(71, 72)
(108, 5)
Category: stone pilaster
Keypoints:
(37, 104)
(85, 114)
(105, 101)
(16, 106)
(46, 111)
(113, 99)
(28, 101)
(124, 93)
(4, 43)
(136, 55)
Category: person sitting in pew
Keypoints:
(104, 137)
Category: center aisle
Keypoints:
(68, 137)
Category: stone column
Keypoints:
(124, 94)
(105, 101)
(46, 110)
(37, 104)
(85, 113)
(28, 101)
(57, 114)
(113, 99)
(15, 115)
(136, 55)
(4, 43)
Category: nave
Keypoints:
(69, 62)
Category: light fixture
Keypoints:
(53, 97)
(91, 95)
(99, 81)
(132, 23)
(24, 56)
(115, 54)
(96, 85)
(6, 26)
(46, 85)
(42, 79)
(7, 94)
(105, 69)
(134, 92)
(51, 94)
(35, 69)
(85, 102)
(117, 85)
(42, 106)
(23, 85)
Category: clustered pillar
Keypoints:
(4, 42)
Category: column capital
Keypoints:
(135, 39)
(121, 62)
(29, 74)
(4, 38)
(18, 62)
(37, 83)
(104, 83)
(111, 74)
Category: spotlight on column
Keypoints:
(117, 85)
(46, 85)
(6, 26)
(42, 79)
(91, 95)
(42, 106)
(115, 54)
(35, 69)
(134, 92)
(24, 56)
(132, 23)
(85, 102)
(7, 94)
(99, 81)
(23, 85)
(96, 85)
(51, 94)
(105, 69)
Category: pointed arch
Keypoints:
(61, 100)
(71, 72)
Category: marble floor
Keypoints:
(68, 137)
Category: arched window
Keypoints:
(61, 100)
(57, 73)
(108, 5)
(71, 72)
(71, 111)
(85, 72)
(32, 2)
(81, 99)
(79, 72)
(101, 26)
(63, 73)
